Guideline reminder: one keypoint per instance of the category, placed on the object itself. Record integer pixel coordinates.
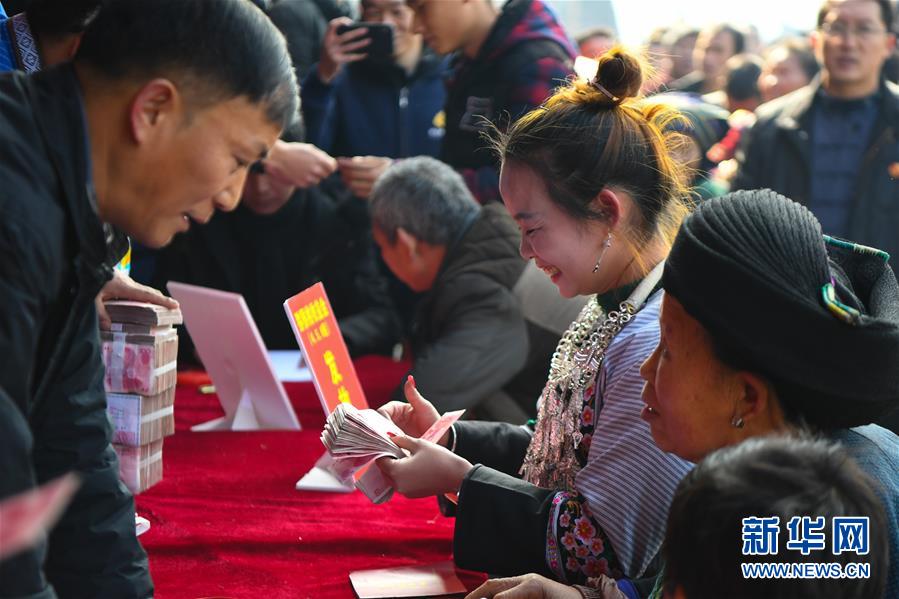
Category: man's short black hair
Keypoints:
(765, 477)
(886, 12)
(214, 50)
(735, 34)
(743, 72)
(61, 17)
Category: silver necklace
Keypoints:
(551, 460)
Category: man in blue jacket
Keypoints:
(367, 111)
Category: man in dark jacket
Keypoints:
(834, 145)
(505, 64)
(303, 23)
(369, 111)
(473, 344)
(279, 241)
(304, 28)
(137, 135)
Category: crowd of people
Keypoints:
(658, 279)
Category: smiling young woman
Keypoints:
(590, 180)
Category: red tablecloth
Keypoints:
(226, 520)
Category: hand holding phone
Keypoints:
(380, 37)
(339, 49)
(347, 41)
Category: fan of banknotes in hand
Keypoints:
(354, 438)
(360, 436)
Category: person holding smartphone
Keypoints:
(376, 94)
(504, 63)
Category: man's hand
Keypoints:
(123, 287)
(338, 50)
(415, 417)
(429, 470)
(359, 173)
(529, 586)
(298, 164)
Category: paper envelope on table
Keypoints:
(431, 580)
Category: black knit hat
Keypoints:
(818, 314)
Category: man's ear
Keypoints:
(891, 43)
(407, 242)
(72, 46)
(815, 41)
(156, 104)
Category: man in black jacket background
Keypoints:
(834, 145)
(279, 241)
(152, 126)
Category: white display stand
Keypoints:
(233, 354)
(320, 478)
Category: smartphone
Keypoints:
(381, 34)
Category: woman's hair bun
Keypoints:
(619, 75)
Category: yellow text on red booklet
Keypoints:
(326, 354)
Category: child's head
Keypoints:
(785, 477)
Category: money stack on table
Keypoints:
(140, 353)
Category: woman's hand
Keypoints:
(414, 417)
(529, 586)
(429, 470)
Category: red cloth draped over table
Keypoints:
(227, 522)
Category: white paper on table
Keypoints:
(429, 580)
(26, 517)
(289, 365)
(141, 524)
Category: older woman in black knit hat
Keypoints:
(769, 326)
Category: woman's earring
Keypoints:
(605, 246)
(737, 422)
